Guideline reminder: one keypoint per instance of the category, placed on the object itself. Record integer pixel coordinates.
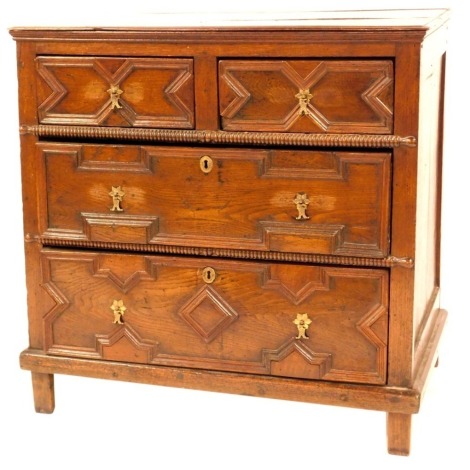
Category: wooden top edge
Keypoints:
(373, 21)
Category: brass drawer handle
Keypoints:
(301, 201)
(115, 92)
(304, 97)
(117, 195)
(118, 309)
(206, 164)
(302, 322)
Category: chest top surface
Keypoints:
(371, 22)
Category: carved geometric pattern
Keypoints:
(334, 168)
(347, 339)
(277, 360)
(141, 228)
(365, 326)
(283, 280)
(331, 237)
(208, 313)
(282, 70)
(124, 282)
(372, 325)
(222, 137)
(143, 351)
(98, 73)
(98, 226)
(140, 164)
(62, 303)
(86, 158)
(274, 229)
(127, 280)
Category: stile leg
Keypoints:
(399, 433)
(43, 391)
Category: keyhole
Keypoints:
(206, 164)
(208, 274)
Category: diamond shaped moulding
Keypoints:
(208, 313)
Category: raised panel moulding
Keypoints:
(225, 314)
(245, 111)
(106, 106)
(121, 228)
(115, 346)
(295, 359)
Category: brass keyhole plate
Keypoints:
(208, 274)
(206, 164)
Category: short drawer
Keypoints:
(304, 321)
(331, 96)
(252, 199)
(103, 91)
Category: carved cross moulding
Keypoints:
(302, 201)
(302, 321)
(116, 194)
(119, 309)
(115, 92)
(304, 97)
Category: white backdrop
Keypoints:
(101, 424)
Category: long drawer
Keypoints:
(313, 322)
(325, 202)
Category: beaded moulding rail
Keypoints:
(220, 137)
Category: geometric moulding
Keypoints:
(104, 91)
(307, 96)
(123, 343)
(208, 313)
(295, 359)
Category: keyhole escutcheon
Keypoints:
(206, 164)
(208, 275)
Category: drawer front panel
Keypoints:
(311, 322)
(279, 200)
(332, 96)
(139, 92)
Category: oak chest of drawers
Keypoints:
(245, 208)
